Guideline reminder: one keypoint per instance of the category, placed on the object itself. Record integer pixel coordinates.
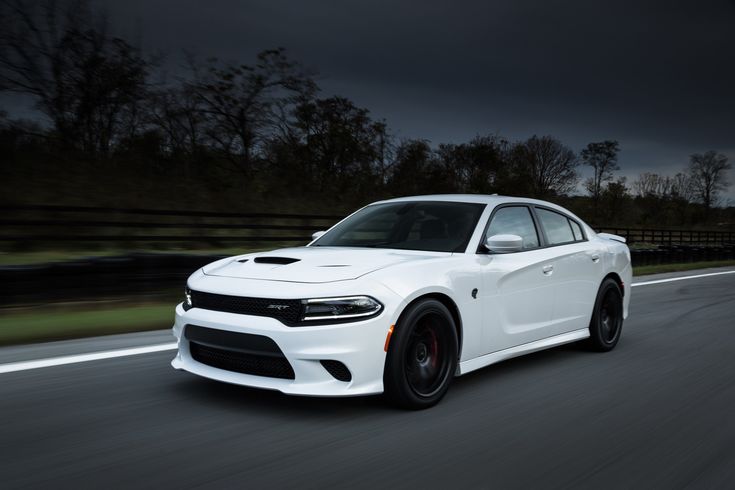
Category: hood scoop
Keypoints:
(275, 260)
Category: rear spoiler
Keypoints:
(610, 236)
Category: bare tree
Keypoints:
(708, 175)
(341, 146)
(411, 168)
(472, 166)
(603, 158)
(614, 196)
(551, 167)
(681, 187)
(651, 184)
(85, 81)
(177, 114)
(244, 105)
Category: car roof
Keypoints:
(493, 199)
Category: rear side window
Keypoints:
(558, 228)
(577, 230)
(515, 220)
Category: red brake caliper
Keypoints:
(434, 349)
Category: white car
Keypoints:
(403, 295)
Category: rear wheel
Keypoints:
(607, 318)
(422, 356)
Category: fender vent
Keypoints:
(275, 260)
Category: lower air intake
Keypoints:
(239, 362)
(338, 370)
(257, 355)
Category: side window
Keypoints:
(515, 220)
(557, 226)
(577, 230)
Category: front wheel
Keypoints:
(422, 356)
(607, 317)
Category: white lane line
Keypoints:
(683, 278)
(134, 351)
(93, 356)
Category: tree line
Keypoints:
(230, 134)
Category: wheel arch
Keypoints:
(451, 306)
(618, 280)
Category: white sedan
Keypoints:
(403, 295)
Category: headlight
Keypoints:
(340, 308)
(187, 305)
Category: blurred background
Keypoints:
(126, 163)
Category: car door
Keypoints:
(517, 288)
(577, 271)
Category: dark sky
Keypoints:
(659, 76)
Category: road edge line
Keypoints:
(682, 278)
(79, 358)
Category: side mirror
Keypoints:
(317, 234)
(503, 244)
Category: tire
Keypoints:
(607, 318)
(422, 356)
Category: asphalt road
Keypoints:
(658, 412)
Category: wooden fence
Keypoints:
(50, 224)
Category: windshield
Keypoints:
(418, 225)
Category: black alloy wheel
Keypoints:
(607, 319)
(422, 356)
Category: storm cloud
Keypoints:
(656, 75)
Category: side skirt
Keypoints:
(519, 350)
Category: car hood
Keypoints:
(314, 264)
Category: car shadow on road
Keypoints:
(274, 402)
(541, 360)
(245, 399)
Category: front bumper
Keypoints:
(358, 345)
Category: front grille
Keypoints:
(286, 310)
(257, 355)
(338, 370)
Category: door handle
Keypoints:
(548, 269)
(595, 258)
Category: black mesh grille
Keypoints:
(338, 370)
(239, 352)
(240, 362)
(286, 310)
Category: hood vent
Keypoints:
(275, 260)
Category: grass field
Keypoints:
(657, 269)
(46, 323)
(42, 257)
